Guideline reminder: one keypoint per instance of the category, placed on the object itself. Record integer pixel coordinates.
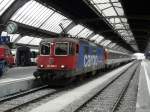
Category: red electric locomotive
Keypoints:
(5, 54)
(6, 58)
(61, 59)
(58, 57)
(64, 58)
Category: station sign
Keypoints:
(4, 39)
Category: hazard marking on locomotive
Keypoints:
(90, 60)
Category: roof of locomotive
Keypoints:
(58, 39)
(70, 39)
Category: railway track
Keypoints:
(127, 102)
(110, 98)
(22, 100)
(10, 103)
(17, 101)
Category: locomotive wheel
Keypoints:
(1, 73)
(61, 82)
(93, 73)
(81, 77)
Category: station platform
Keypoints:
(17, 79)
(17, 73)
(143, 95)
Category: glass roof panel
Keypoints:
(31, 13)
(112, 10)
(107, 42)
(119, 11)
(114, 0)
(25, 40)
(122, 30)
(102, 6)
(100, 1)
(99, 39)
(115, 20)
(117, 4)
(4, 4)
(13, 37)
(46, 13)
(37, 15)
(119, 26)
(94, 37)
(76, 29)
(84, 33)
(22, 11)
(112, 45)
(53, 23)
(124, 20)
(102, 43)
(35, 41)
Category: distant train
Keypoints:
(24, 56)
(147, 55)
(69, 58)
(6, 58)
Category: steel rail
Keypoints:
(106, 86)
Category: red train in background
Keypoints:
(69, 58)
(6, 57)
(5, 54)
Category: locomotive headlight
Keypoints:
(62, 66)
(41, 66)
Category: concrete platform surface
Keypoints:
(17, 79)
(17, 73)
(143, 95)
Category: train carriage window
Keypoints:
(45, 48)
(34, 54)
(77, 48)
(86, 50)
(61, 49)
(94, 51)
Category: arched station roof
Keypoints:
(104, 22)
(138, 14)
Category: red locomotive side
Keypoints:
(5, 54)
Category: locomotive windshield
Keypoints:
(45, 48)
(61, 49)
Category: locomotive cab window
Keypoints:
(45, 48)
(61, 48)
